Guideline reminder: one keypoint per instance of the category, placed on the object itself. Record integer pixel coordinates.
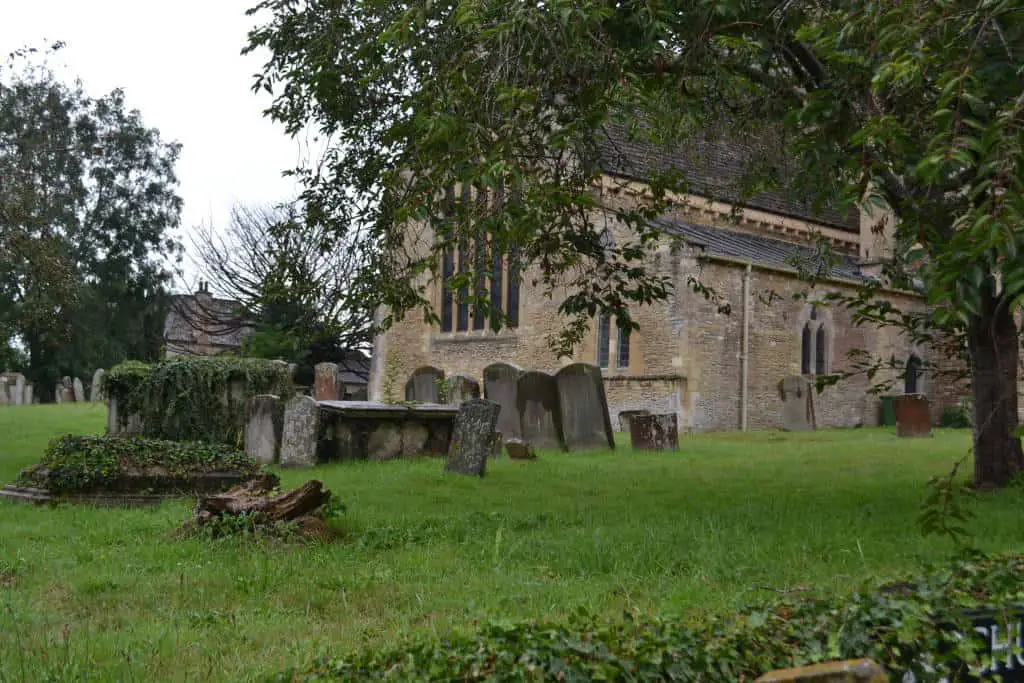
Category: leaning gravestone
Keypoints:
(654, 432)
(300, 432)
(325, 383)
(96, 392)
(461, 388)
(797, 404)
(584, 407)
(263, 429)
(537, 405)
(79, 389)
(913, 415)
(501, 385)
(472, 436)
(424, 385)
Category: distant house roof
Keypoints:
(714, 167)
(354, 368)
(190, 317)
(763, 251)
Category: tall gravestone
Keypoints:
(326, 384)
(586, 422)
(17, 391)
(79, 390)
(461, 388)
(471, 438)
(263, 428)
(96, 391)
(797, 404)
(4, 396)
(300, 432)
(29, 390)
(540, 418)
(424, 385)
(501, 381)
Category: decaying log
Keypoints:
(254, 497)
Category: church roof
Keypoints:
(191, 315)
(763, 251)
(714, 167)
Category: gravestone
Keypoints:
(501, 385)
(913, 415)
(17, 391)
(300, 432)
(424, 385)
(79, 390)
(29, 390)
(263, 428)
(4, 396)
(540, 419)
(497, 444)
(654, 432)
(96, 393)
(797, 404)
(584, 407)
(461, 388)
(626, 415)
(849, 671)
(520, 449)
(471, 439)
(326, 384)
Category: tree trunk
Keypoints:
(993, 345)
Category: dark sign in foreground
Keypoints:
(1001, 632)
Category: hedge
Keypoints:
(907, 626)
(84, 463)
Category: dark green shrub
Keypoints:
(906, 626)
(83, 463)
(956, 417)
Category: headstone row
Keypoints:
(14, 390)
(566, 410)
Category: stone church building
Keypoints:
(716, 371)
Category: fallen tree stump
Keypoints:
(254, 500)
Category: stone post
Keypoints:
(472, 437)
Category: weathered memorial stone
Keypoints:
(540, 419)
(500, 385)
(4, 396)
(96, 391)
(584, 407)
(797, 404)
(654, 432)
(263, 428)
(461, 388)
(326, 382)
(29, 390)
(17, 391)
(424, 385)
(471, 439)
(497, 444)
(520, 449)
(850, 671)
(79, 390)
(626, 415)
(913, 415)
(300, 432)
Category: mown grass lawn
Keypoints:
(105, 594)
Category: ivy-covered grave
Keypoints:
(130, 470)
(191, 398)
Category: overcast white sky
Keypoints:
(179, 64)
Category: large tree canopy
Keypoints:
(914, 104)
(87, 203)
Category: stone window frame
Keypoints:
(609, 347)
(456, 319)
(816, 338)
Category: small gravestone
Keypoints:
(300, 432)
(326, 385)
(654, 432)
(797, 404)
(263, 429)
(584, 407)
(497, 444)
(540, 419)
(500, 385)
(28, 394)
(18, 391)
(520, 449)
(471, 438)
(461, 388)
(626, 415)
(96, 392)
(79, 390)
(4, 397)
(913, 415)
(424, 385)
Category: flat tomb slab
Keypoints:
(38, 496)
(375, 409)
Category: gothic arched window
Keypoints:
(805, 350)
(819, 351)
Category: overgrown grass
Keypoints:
(728, 519)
